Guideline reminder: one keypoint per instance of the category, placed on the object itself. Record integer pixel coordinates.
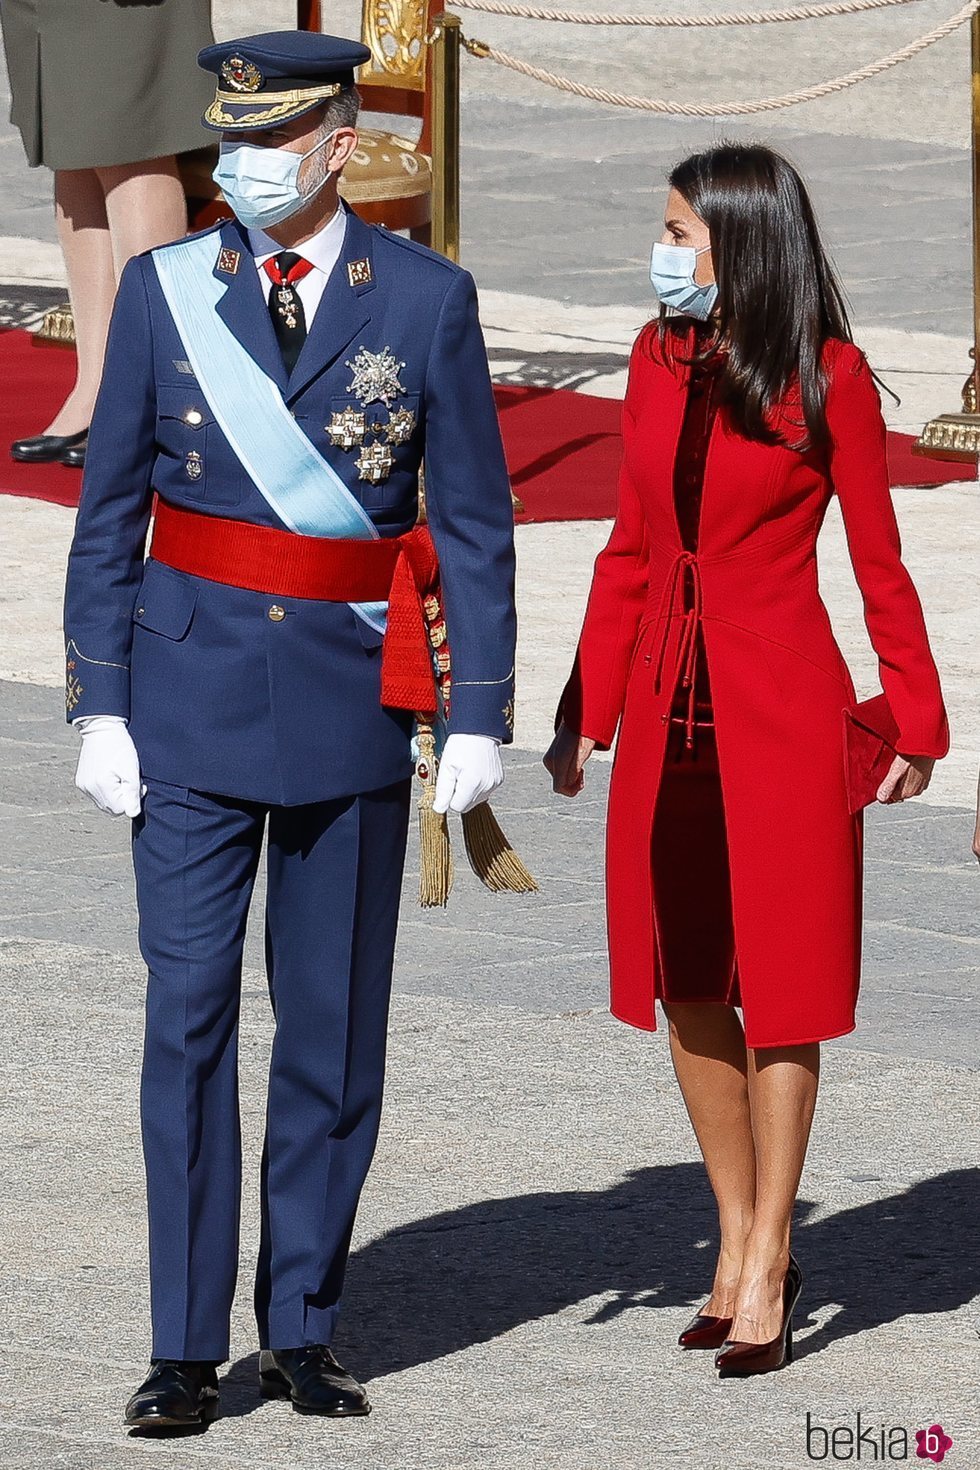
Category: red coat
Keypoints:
(779, 684)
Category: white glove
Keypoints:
(108, 766)
(469, 772)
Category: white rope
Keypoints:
(724, 109)
(726, 18)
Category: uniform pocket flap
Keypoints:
(165, 603)
(189, 405)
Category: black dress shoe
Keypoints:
(75, 458)
(46, 448)
(175, 1395)
(313, 1379)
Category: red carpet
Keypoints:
(563, 448)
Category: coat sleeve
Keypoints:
(471, 517)
(105, 563)
(892, 610)
(593, 698)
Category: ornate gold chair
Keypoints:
(389, 179)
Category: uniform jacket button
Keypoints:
(277, 613)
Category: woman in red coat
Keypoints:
(733, 864)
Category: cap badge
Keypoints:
(241, 75)
(375, 377)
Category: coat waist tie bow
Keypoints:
(685, 668)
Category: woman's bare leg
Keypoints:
(145, 205)
(707, 1047)
(782, 1084)
(83, 232)
(105, 216)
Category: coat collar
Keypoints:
(343, 311)
(243, 308)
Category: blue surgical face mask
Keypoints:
(672, 270)
(260, 184)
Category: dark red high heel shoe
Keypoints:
(705, 1331)
(741, 1358)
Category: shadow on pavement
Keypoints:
(441, 1285)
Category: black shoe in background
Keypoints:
(47, 448)
(75, 458)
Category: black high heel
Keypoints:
(741, 1358)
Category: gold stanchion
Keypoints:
(956, 436)
(445, 135)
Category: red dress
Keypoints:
(763, 904)
(696, 951)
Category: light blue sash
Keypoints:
(305, 492)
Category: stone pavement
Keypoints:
(536, 1229)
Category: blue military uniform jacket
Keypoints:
(277, 699)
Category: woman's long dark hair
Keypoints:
(778, 294)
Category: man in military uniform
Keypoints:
(275, 381)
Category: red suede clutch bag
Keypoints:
(870, 733)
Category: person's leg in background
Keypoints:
(83, 233)
(105, 216)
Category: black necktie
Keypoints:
(288, 316)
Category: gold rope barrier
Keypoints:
(724, 18)
(665, 107)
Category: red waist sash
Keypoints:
(402, 570)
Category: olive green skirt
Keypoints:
(101, 82)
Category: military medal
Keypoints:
(398, 429)
(374, 462)
(375, 377)
(286, 306)
(347, 429)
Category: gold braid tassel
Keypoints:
(435, 855)
(491, 856)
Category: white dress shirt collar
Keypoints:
(322, 249)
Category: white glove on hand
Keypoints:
(469, 772)
(108, 766)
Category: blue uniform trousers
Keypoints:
(334, 878)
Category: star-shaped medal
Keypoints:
(398, 429)
(375, 377)
(374, 462)
(347, 429)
